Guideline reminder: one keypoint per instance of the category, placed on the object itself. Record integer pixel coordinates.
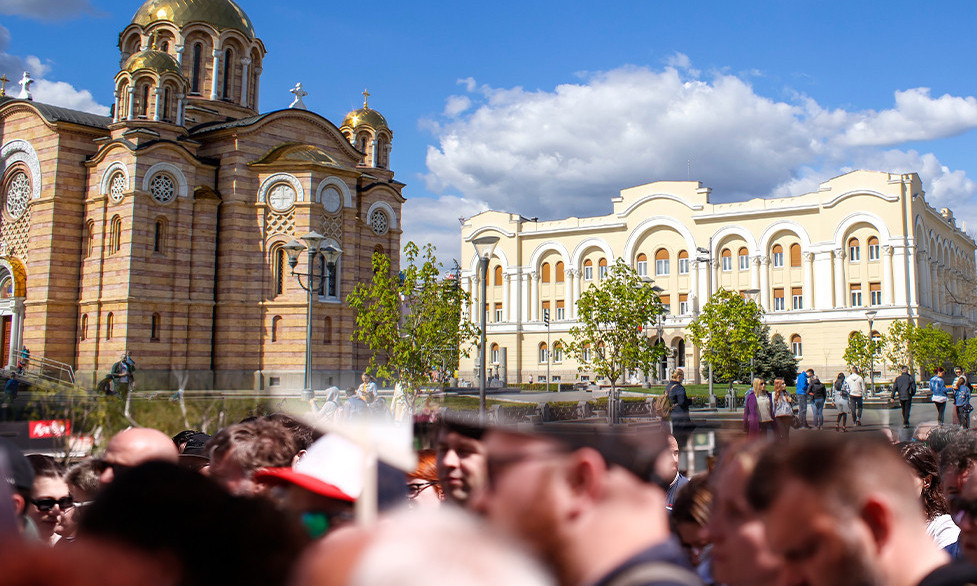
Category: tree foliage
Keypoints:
(967, 354)
(727, 331)
(413, 322)
(920, 348)
(863, 352)
(611, 338)
(774, 359)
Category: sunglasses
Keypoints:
(318, 523)
(45, 505)
(413, 490)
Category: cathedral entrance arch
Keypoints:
(13, 290)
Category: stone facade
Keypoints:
(159, 230)
(819, 264)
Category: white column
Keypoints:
(693, 286)
(515, 298)
(245, 64)
(571, 276)
(764, 263)
(524, 284)
(755, 273)
(904, 256)
(822, 280)
(118, 106)
(535, 303)
(179, 54)
(887, 275)
(15, 327)
(838, 277)
(505, 297)
(158, 94)
(257, 84)
(808, 280)
(179, 109)
(216, 71)
(131, 92)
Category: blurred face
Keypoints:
(954, 480)
(694, 539)
(45, 491)
(365, 378)
(235, 479)
(423, 493)
(821, 546)
(965, 517)
(461, 466)
(667, 464)
(741, 555)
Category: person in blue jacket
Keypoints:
(938, 393)
(802, 384)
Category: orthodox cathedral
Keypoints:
(162, 229)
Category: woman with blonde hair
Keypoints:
(757, 410)
(783, 411)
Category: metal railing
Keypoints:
(46, 369)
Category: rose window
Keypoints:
(281, 197)
(117, 187)
(162, 188)
(18, 194)
(378, 221)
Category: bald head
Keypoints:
(135, 446)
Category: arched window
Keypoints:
(680, 358)
(854, 250)
(327, 330)
(195, 71)
(796, 346)
(159, 235)
(84, 326)
(641, 265)
(661, 262)
(588, 270)
(585, 353)
(155, 328)
(542, 352)
(495, 354)
(165, 114)
(778, 256)
(115, 235)
(557, 352)
(544, 272)
(89, 238)
(109, 325)
(683, 262)
(144, 107)
(276, 323)
(873, 248)
(560, 272)
(497, 279)
(602, 268)
(727, 259)
(795, 255)
(744, 258)
(278, 269)
(328, 287)
(226, 83)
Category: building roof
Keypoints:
(221, 14)
(153, 60)
(59, 114)
(299, 152)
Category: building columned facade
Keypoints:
(865, 246)
(159, 230)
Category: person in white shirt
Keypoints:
(856, 390)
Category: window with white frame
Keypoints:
(744, 262)
(602, 268)
(796, 346)
(854, 250)
(875, 293)
(498, 313)
(588, 271)
(642, 265)
(661, 267)
(683, 307)
(560, 310)
(727, 263)
(873, 248)
(542, 353)
(683, 266)
(856, 295)
(778, 300)
(557, 353)
(495, 353)
(778, 256)
(797, 301)
(585, 354)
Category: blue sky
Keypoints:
(549, 109)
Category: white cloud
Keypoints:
(49, 10)
(567, 151)
(436, 220)
(455, 105)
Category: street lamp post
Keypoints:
(661, 330)
(484, 247)
(313, 281)
(707, 258)
(870, 316)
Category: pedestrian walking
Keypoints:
(682, 425)
(938, 393)
(783, 411)
(856, 391)
(905, 388)
(757, 410)
(961, 397)
(819, 395)
(842, 402)
(802, 384)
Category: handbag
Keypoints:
(783, 408)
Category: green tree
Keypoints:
(774, 359)
(613, 315)
(863, 352)
(899, 341)
(413, 322)
(727, 332)
(967, 354)
(932, 347)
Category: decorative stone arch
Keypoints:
(549, 246)
(21, 151)
(171, 169)
(723, 234)
(919, 232)
(17, 272)
(338, 184)
(388, 209)
(866, 192)
(271, 180)
(115, 167)
(581, 249)
(499, 254)
(649, 224)
(651, 197)
(784, 226)
(860, 217)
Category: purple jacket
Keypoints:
(751, 414)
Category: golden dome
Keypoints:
(365, 116)
(298, 153)
(154, 60)
(221, 14)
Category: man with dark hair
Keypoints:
(958, 461)
(238, 450)
(589, 502)
(904, 387)
(461, 460)
(844, 510)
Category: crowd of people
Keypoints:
(274, 500)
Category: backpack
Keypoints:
(844, 390)
(662, 406)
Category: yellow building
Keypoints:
(159, 230)
(865, 245)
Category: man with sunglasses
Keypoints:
(132, 447)
(588, 501)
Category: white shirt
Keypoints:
(856, 385)
(943, 531)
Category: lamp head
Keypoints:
(313, 240)
(485, 246)
(293, 249)
(331, 253)
(701, 250)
